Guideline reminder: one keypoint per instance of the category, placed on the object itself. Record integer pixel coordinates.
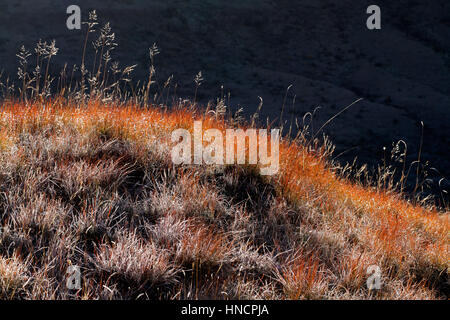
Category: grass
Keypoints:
(86, 179)
(94, 186)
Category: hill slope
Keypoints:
(259, 48)
(95, 187)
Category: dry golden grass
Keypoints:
(86, 179)
(94, 186)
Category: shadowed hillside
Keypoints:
(88, 178)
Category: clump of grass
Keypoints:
(134, 265)
(301, 278)
(13, 278)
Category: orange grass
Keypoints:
(388, 226)
(300, 169)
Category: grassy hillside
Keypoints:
(87, 180)
(260, 47)
(94, 186)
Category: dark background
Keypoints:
(260, 47)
